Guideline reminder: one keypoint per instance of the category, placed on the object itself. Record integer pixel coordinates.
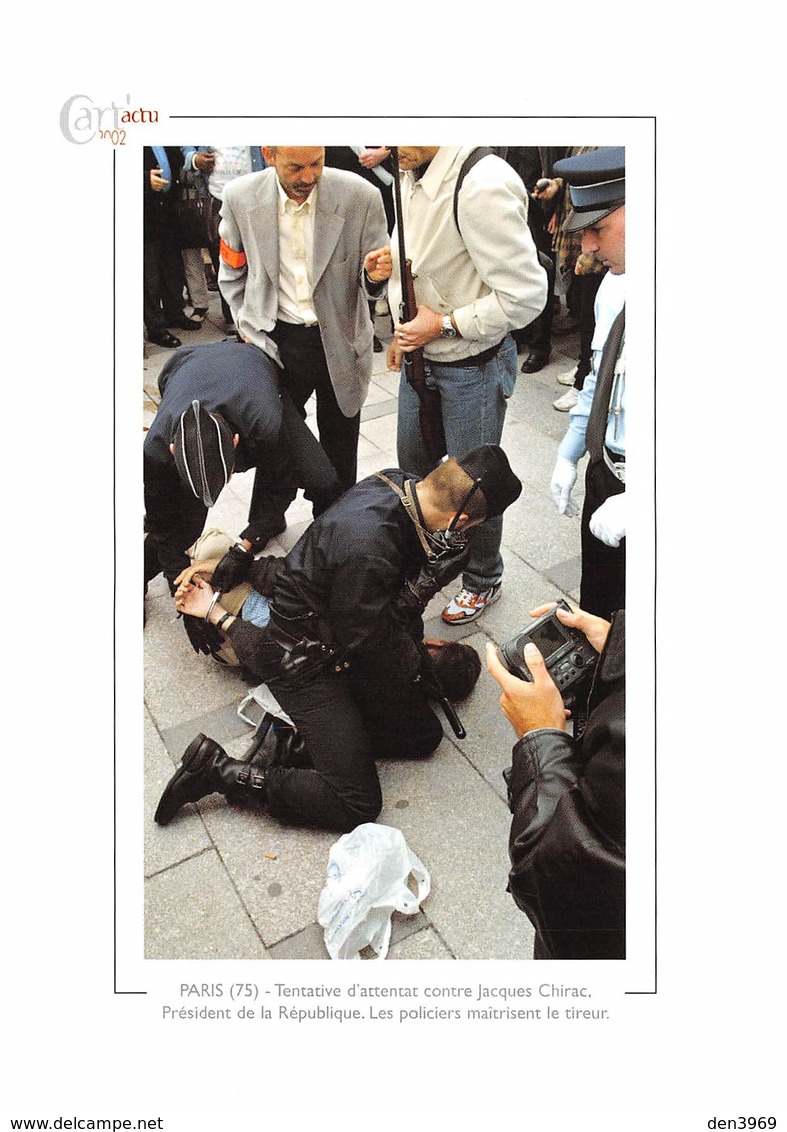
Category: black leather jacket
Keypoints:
(567, 837)
(347, 571)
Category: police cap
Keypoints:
(204, 452)
(597, 181)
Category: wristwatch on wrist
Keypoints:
(448, 330)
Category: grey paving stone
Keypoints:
(375, 396)
(223, 724)
(230, 512)
(165, 846)
(373, 410)
(532, 455)
(425, 944)
(458, 827)
(566, 576)
(380, 432)
(157, 587)
(376, 461)
(310, 943)
(402, 927)
(538, 535)
(287, 540)
(367, 450)
(278, 870)
(306, 944)
(180, 684)
(192, 912)
(387, 380)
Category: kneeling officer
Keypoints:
(342, 653)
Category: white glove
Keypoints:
(608, 522)
(563, 479)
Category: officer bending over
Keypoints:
(221, 410)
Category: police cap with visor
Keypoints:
(204, 452)
(597, 182)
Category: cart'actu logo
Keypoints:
(81, 119)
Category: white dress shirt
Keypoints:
(296, 246)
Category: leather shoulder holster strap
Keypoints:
(408, 502)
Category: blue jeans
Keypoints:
(474, 401)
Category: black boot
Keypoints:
(276, 744)
(206, 768)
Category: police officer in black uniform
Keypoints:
(342, 653)
(246, 422)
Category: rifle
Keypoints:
(430, 415)
(433, 691)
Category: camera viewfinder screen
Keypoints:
(547, 638)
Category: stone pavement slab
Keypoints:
(192, 911)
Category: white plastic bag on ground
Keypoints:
(264, 699)
(368, 870)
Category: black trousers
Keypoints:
(306, 372)
(174, 519)
(603, 586)
(299, 460)
(347, 721)
(586, 287)
(213, 249)
(163, 282)
(538, 334)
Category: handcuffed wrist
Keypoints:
(216, 597)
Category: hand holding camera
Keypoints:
(544, 662)
(595, 629)
(528, 706)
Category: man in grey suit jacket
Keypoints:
(303, 250)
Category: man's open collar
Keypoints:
(439, 167)
(282, 198)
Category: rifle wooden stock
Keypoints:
(430, 417)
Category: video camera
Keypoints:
(568, 655)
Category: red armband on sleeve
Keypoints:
(230, 256)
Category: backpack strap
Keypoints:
(472, 159)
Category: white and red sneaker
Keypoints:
(469, 604)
